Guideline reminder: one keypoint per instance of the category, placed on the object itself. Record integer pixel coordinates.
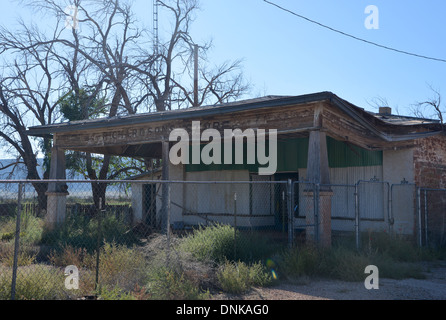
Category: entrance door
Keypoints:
(280, 202)
(149, 204)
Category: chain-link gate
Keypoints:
(403, 209)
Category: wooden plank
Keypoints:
(285, 118)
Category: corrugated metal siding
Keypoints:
(343, 154)
(373, 196)
(292, 155)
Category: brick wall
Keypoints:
(430, 162)
(430, 172)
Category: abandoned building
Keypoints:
(321, 139)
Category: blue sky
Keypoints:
(285, 55)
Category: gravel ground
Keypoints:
(431, 288)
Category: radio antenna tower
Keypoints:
(155, 28)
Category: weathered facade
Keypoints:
(322, 139)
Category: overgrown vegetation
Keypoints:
(82, 231)
(238, 277)
(219, 243)
(196, 266)
(395, 257)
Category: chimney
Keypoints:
(385, 110)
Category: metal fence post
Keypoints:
(390, 218)
(16, 243)
(357, 235)
(420, 239)
(316, 212)
(235, 225)
(290, 193)
(98, 244)
(425, 217)
(284, 205)
(168, 209)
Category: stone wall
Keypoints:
(430, 172)
(430, 162)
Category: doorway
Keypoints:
(280, 201)
(149, 204)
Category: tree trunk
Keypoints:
(99, 191)
(40, 187)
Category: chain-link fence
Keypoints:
(104, 236)
(109, 231)
(432, 217)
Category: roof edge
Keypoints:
(176, 114)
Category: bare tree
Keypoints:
(93, 57)
(433, 105)
(26, 97)
(170, 87)
(108, 54)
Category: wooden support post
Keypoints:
(317, 168)
(319, 219)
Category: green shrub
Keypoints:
(300, 261)
(70, 255)
(166, 284)
(348, 264)
(31, 228)
(396, 246)
(121, 266)
(26, 256)
(344, 264)
(255, 246)
(210, 243)
(35, 282)
(82, 232)
(7, 236)
(115, 293)
(221, 242)
(239, 277)
(391, 268)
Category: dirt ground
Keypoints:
(433, 287)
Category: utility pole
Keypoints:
(195, 75)
(155, 27)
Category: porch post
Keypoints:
(318, 219)
(165, 203)
(57, 191)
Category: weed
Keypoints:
(221, 242)
(115, 293)
(26, 255)
(239, 277)
(165, 284)
(35, 282)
